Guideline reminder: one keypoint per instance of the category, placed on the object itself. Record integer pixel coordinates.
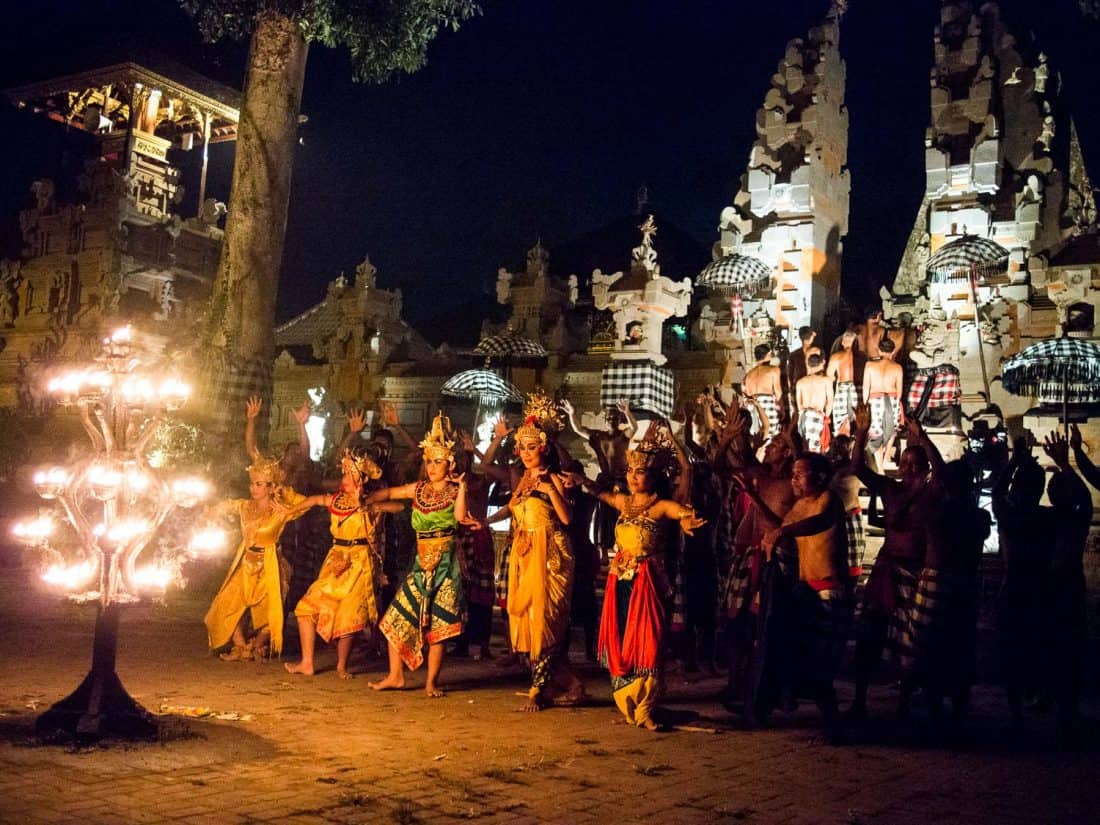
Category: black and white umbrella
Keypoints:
(735, 274)
(483, 386)
(965, 258)
(510, 345)
(1069, 364)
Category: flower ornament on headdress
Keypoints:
(266, 469)
(440, 442)
(360, 466)
(541, 418)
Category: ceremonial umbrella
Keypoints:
(510, 345)
(735, 273)
(484, 387)
(967, 259)
(1072, 362)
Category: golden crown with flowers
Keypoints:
(266, 469)
(541, 418)
(439, 441)
(359, 466)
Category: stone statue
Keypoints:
(1047, 135)
(705, 324)
(938, 342)
(211, 211)
(43, 191)
(504, 286)
(1042, 72)
(573, 290)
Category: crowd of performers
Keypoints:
(733, 540)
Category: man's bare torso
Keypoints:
(814, 393)
(763, 379)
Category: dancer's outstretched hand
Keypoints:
(1057, 448)
(357, 419)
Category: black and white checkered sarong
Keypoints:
(857, 544)
(811, 425)
(766, 403)
(885, 418)
(845, 400)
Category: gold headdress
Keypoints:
(439, 442)
(267, 469)
(644, 457)
(655, 452)
(359, 466)
(542, 419)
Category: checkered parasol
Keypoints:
(1071, 363)
(736, 273)
(484, 386)
(510, 345)
(643, 383)
(954, 262)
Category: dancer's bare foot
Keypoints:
(344, 674)
(535, 703)
(433, 692)
(649, 724)
(389, 683)
(299, 668)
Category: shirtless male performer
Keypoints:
(842, 370)
(814, 394)
(882, 384)
(610, 447)
(820, 602)
(764, 385)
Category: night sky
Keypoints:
(541, 120)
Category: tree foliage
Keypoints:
(1090, 8)
(384, 37)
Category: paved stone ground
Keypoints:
(321, 750)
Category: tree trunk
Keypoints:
(252, 253)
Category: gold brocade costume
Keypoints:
(540, 577)
(341, 601)
(258, 576)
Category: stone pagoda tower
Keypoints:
(121, 250)
(791, 211)
(1002, 163)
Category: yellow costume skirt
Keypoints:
(636, 697)
(255, 585)
(341, 601)
(540, 582)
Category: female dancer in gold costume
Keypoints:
(258, 577)
(540, 567)
(633, 620)
(341, 602)
(428, 608)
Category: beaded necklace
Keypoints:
(342, 504)
(430, 500)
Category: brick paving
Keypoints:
(320, 750)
